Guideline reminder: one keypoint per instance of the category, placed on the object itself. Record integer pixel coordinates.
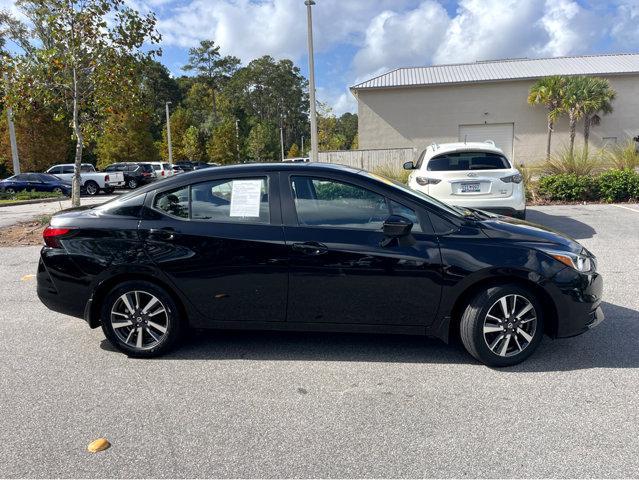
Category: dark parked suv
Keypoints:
(135, 174)
(305, 246)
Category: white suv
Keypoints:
(472, 175)
(162, 169)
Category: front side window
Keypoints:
(331, 203)
(242, 200)
(68, 169)
(468, 161)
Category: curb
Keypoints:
(35, 200)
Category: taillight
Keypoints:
(162, 172)
(106, 178)
(427, 181)
(51, 236)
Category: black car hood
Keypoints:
(519, 230)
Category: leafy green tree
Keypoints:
(355, 144)
(328, 135)
(347, 127)
(180, 122)
(80, 57)
(42, 140)
(208, 64)
(294, 151)
(223, 146)
(158, 87)
(549, 92)
(192, 145)
(598, 98)
(126, 138)
(261, 142)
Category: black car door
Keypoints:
(221, 242)
(342, 269)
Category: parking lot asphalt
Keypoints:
(231, 404)
(12, 214)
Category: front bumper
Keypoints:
(578, 301)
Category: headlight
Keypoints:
(579, 261)
(427, 181)
(516, 178)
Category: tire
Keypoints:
(160, 331)
(57, 190)
(91, 188)
(9, 191)
(132, 183)
(480, 330)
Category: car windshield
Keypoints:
(468, 161)
(456, 211)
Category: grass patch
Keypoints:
(28, 195)
(394, 173)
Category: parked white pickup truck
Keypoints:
(91, 180)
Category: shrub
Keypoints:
(394, 173)
(28, 195)
(578, 163)
(567, 187)
(528, 174)
(618, 185)
(623, 156)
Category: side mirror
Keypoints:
(409, 166)
(397, 226)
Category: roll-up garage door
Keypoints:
(500, 133)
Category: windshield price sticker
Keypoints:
(245, 198)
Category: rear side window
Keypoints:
(166, 166)
(174, 202)
(157, 167)
(68, 169)
(55, 170)
(127, 207)
(468, 161)
(242, 200)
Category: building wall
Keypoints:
(417, 117)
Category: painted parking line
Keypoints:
(627, 208)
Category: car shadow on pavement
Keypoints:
(567, 225)
(613, 344)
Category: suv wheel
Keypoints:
(132, 183)
(91, 188)
(502, 325)
(140, 319)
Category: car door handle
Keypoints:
(310, 248)
(162, 233)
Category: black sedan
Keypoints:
(313, 247)
(37, 182)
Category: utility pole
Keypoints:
(168, 132)
(12, 134)
(282, 137)
(311, 87)
(302, 145)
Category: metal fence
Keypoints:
(370, 159)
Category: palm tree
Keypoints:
(548, 92)
(598, 98)
(574, 100)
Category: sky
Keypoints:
(358, 39)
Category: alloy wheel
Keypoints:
(139, 319)
(133, 184)
(92, 189)
(510, 325)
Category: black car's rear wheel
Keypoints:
(502, 325)
(132, 183)
(57, 191)
(141, 319)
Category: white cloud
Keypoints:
(394, 39)
(569, 27)
(625, 29)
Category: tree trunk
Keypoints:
(586, 134)
(76, 184)
(550, 128)
(572, 122)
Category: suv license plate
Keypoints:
(470, 187)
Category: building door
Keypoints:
(500, 133)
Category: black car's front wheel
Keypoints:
(141, 319)
(502, 325)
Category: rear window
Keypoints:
(468, 161)
(166, 166)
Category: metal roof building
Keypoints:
(412, 107)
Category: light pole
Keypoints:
(12, 134)
(168, 132)
(311, 87)
(237, 138)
